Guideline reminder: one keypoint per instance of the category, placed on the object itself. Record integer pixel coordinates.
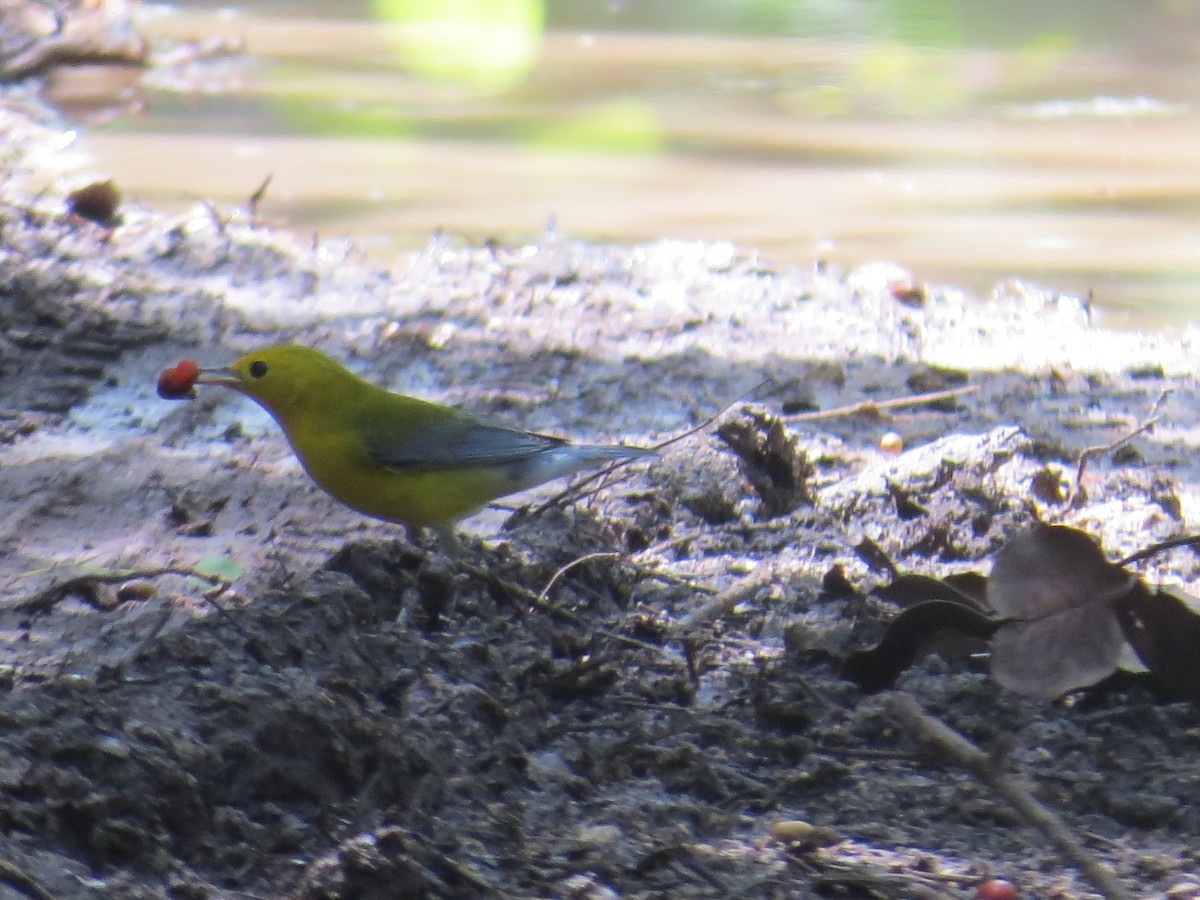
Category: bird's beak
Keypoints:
(223, 377)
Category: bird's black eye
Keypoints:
(258, 369)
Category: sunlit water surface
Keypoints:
(1065, 152)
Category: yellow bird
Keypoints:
(393, 457)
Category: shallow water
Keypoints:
(992, 143)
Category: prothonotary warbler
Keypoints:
(389, 456)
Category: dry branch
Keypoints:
(948, 744)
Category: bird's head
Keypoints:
(286, 380)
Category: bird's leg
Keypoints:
(448, 541)
(442, 539)
(415, 535)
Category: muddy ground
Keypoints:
(357, 716)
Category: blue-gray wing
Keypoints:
(456, 443)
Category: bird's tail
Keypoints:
(596, 454)
(568, 459)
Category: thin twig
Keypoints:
(542, 602)
(20, 880)
(1184, 540)
(721, 413)
(724, 602)
(576, 489)
(257, 197)
(487, 576)
(949, 744)
(545, 592)
(1087, 454)
(863, 406)
(215, 215)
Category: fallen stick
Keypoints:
(724, 602)
(869, 406)
(944, 741)
(20, 880)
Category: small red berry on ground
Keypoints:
(996, 889)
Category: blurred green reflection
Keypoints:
(485, 45)
(627, 125)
